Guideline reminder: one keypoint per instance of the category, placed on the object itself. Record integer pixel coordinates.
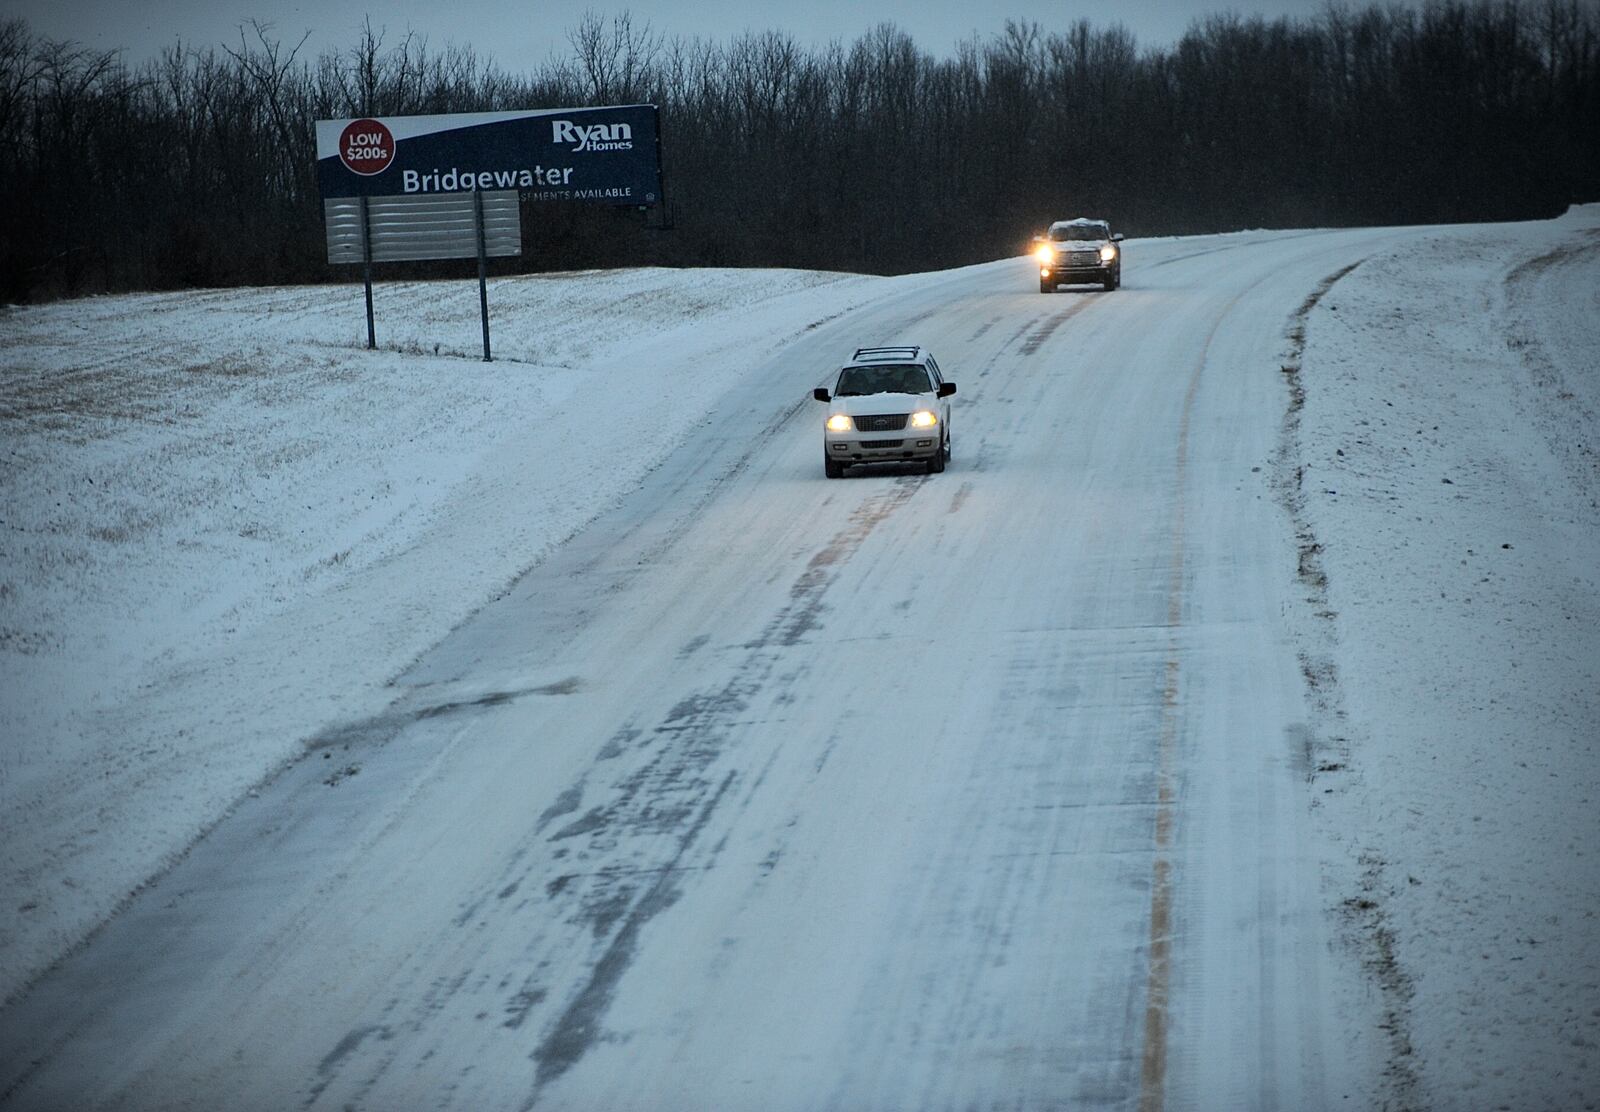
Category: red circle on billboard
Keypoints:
(366, 147)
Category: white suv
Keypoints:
(888, 405)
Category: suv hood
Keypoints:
(870, 405)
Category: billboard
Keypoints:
(606, 155)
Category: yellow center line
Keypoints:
(1153, 1067)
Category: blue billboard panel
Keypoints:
(606, 155)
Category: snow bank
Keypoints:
(1451, 482)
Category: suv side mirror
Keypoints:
(1117, 238)
(821, 394)
(946, 389)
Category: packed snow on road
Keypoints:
(1221, 729)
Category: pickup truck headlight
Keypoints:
(1044, 254)
(1108, 252)
(838, 423)
(924, 419)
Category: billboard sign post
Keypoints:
(366, 274)
(483, 271)
(448, 187)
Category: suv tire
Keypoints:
(832, 468)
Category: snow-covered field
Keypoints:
(226, 528)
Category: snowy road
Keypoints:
(978, 790)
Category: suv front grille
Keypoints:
(870, 444)
(883, 422)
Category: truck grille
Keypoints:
(883, 422)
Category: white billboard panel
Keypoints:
(428, 226)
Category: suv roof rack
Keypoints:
(873, 353)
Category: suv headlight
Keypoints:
(838, 423)
(924, 419)
(1044, 253)
(1108, 252)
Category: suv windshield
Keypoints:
(883, 380)
(1080, 233)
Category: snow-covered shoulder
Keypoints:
(1449, 481)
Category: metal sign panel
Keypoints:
(606, 155)
(429, 226)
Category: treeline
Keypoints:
(199, 168)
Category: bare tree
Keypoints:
(867, 155)
(616, 60)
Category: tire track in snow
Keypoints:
(676, 783)
(1047, 328)
(1031, 336)
(1566, 409)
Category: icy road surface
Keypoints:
(979, 790)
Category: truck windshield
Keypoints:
(1080, 233)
